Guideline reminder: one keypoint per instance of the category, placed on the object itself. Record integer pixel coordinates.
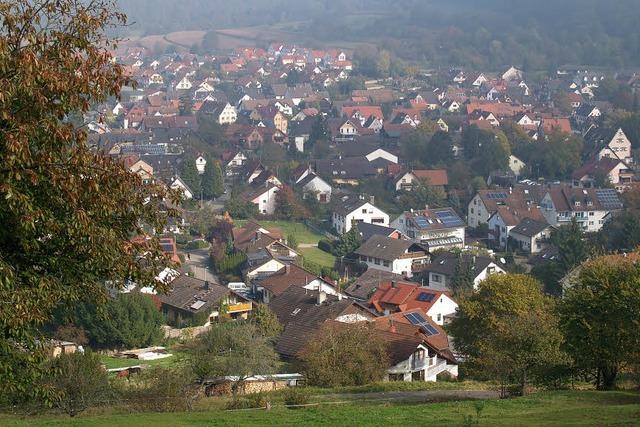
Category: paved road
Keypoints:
(199, 263)
(418, 396)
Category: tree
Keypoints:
(344, 354)
(292, 241)
(232, 348)
(599, 314)
(563, 156)
(288, 206)
(462, 283)
(265, 320)
(240, 209)
(508, 330)
(212, 180)
(79, 380)
(68, 213)
(129, 321)
(190, 176)
(209, 129)
(348, 243)
(185, 107)
(622, 233)
(572, 247)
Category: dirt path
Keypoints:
(430, 396)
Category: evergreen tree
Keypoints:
(348, 242)
(212, 180)
(190, 176)
(185, 107)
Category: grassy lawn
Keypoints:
(318, 256)
(569, 408)
(303, 233)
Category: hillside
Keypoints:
(535, 35)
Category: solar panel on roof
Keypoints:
(418, 320)
(426, 296)
(429, 329)
(497, 196)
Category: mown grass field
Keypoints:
(304, 234)
(117, 362)
(318, 256)
(307, 240)
(569, 408)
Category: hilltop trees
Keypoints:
(68, 214)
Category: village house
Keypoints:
(264, 197)
(590, 207)
(397, 256)
(605, 171)
(292, 275)
(608, 143)
(505, 219)
(433, 228)
(397, 296)
(407, 181)
(302, 312)
(192, 300)
(531, 236)
(353, 209)
(179, 184)
(444, 268)
(418, 348)
(312, 185)
(233, 161)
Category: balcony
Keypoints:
(239, 308)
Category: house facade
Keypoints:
(396, 256)
(357, 209)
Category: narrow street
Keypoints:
(198, 262)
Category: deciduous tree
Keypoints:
(600, 314)
(508, 330)
(67, 213)
(344, 354)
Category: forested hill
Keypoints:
(489, 34)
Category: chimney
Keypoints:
(287, 269)
(372, 200)
(473, 260)
(510, 190)
(392, 327)
(206, 285)
(322, 297)
(339, 297)
(426, 207)
(393, 284)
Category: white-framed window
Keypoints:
(436, 278)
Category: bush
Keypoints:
(296, 396)
(197, 244)
(163, 390)
(80, 381)
(251, 401)
(129, 320)
(181, 239)
(326, 246)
